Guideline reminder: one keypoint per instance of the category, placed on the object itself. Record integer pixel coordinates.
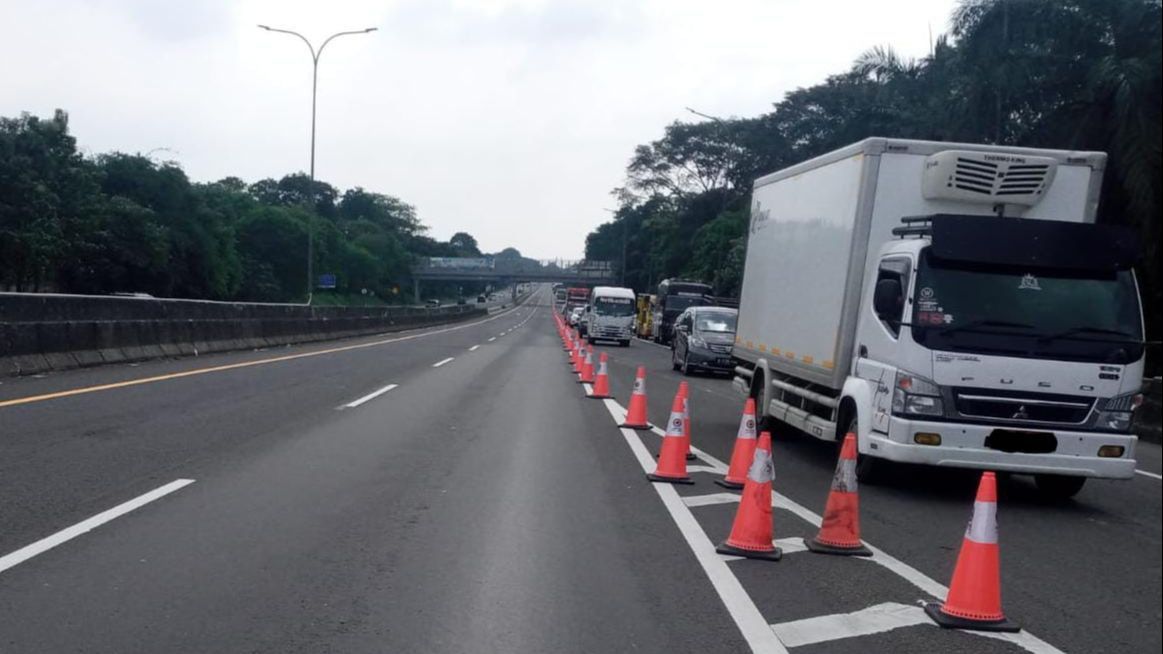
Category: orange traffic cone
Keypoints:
(636, 414)
(744, 450)
(685, 390)
(974, 599)
(840, 530)
(671, 466)
(602, 382)
(572, 351)
(751, 533)
(587, 369)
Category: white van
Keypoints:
(610, 315)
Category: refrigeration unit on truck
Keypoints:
(610, 315)
(950, 304)
(674, 296)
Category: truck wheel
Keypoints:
(625, 343)
(869, 470)
(1059, 487)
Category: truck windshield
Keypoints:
(614, 306)
(678, 303)
(1047, 315)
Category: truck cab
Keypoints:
(981, 355)
(610, 315)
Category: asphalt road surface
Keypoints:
(452, 490)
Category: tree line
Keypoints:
(121, 222)
(1065, 74)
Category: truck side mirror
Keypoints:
(888, 299)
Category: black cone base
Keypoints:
(642, 426)
(669, 480)
(821, 548)
(729, 484)
(933, 609)
(773, 555)
(690, 456)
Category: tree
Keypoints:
(464, 244)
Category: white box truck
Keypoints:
(951, 305)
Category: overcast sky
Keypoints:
(511, 120)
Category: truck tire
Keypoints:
(869, 470)
(625, 343)
(1059, 487)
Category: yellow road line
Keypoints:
(234, 366)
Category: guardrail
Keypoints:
(42, 332)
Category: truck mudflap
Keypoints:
(969, 446)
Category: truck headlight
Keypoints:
(915, 395)
(1118, 412)
(695, 341)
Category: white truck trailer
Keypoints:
(951, 305)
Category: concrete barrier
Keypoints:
(42, 332)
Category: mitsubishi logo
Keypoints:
(1021, 414)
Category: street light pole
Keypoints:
(315, 54)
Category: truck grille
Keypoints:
(718, 348)
(1022, 407)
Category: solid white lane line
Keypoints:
(442, 362)
(370, 396)
(751, 623)
(45, 544)
(1152, 475)
(865, 622)
(473, 348)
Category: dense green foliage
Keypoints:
(124, 223)
(1073, 74)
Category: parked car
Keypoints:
(575, 316)
(703, 337)
(434, 302)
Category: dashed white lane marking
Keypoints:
(743, 611)
(492, 338)
(442, 362)
(370, 396)
(710, 499)
(45, 544)
(865, 622)
(473, 348)
(1023, 639)
(1152, 475)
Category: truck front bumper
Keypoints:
(964, 446)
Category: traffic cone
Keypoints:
(636, 414)
(744, 450)
(751, 533)
(671, 466)
(602, 381)
(587, 369)
(840, 529)
(578, 357)
(686, 418)
(974, 599)
(572, 352)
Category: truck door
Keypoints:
(880, 334)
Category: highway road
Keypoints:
(452, 490)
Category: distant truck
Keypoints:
(610, 315)
(674, 296)
(950, 304)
